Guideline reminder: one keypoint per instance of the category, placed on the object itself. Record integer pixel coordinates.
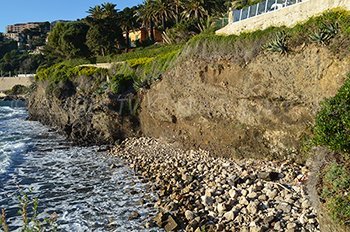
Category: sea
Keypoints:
(79, 188)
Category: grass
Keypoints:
(29, 211)
(138, 53)
(247, 46)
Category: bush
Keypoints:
(336, 187)
(17, 90)
(63, 71)
(180, 33)
(332, 126)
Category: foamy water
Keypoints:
(76, 183)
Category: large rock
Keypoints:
(84, 116)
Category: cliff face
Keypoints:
(83, 115)
(263, 109)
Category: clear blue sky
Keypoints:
(21, 11)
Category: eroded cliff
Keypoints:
(263, 109)
(85, 116)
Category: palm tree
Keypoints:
(194, 8)
(104, 32)
(238, 4)
(163, 11)
(177, 4)
(109, 10)
(128, 21)
(146, 16)
(96, 12)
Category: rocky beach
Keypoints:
(199, 192)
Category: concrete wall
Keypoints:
(288, 16)
(99, 65)
(6, 83)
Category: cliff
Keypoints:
(262, 109)
(85, 116)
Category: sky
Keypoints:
(22, 11)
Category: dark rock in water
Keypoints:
(113, 166)
(134, 215)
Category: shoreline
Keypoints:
(197, 191)
(5, 97)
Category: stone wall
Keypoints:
(288, 16)
(6, 83)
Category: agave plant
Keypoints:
(325, 33)
(279, 44)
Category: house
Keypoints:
(141, 35)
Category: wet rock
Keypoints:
(134, 215)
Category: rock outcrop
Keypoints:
(84, 115)
(262, 109)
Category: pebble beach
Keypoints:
(199, 192)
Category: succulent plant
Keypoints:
(279, 44)
(325, 33)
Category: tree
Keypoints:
(163, 11)
(146, 16)
(195, 9)
(128, 21)
(68, 40)
(104, 33)
(96, 12)
(177, 6)
(7, 46)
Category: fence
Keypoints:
(15, 74)
(260, 8)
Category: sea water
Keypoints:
(78, 184)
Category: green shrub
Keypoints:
(336, 187)
(121, 84)
(17, 90)
(63, 71)
(133, 63)
(332, 126)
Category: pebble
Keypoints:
(199, 192)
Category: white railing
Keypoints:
(260, 8)
(11, 74)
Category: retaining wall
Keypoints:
(288, 16)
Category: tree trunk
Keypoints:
(127, 39)
(152, 31)
(163, 22)
(177, 13)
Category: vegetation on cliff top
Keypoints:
(246, 46)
